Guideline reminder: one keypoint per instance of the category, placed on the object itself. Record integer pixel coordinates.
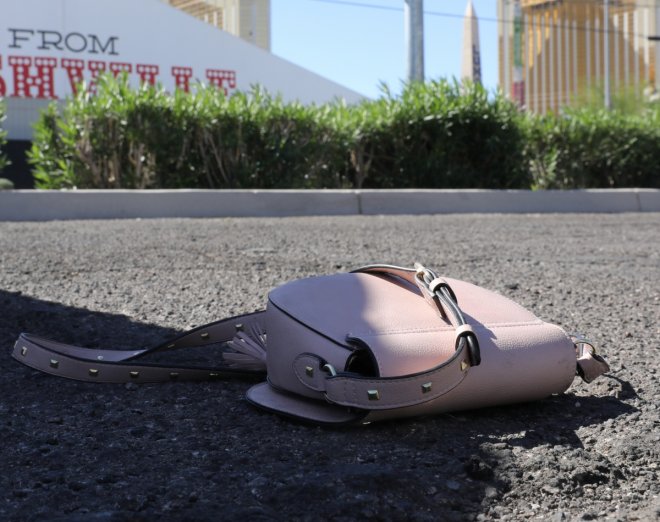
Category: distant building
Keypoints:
(552, 52)
(247, 19)
(471, 69)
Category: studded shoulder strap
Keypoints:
(242, 339)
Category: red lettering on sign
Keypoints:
(34, 77)
(147, 73)
(25, 80)
(182, 77)
(74, 70)
(222, 79)
(95, 68)
(3, 85)
(116, 68)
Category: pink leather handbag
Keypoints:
(377, 343)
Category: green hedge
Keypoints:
(122, 137)
(437, 135)
(594, 148)
(433, 135)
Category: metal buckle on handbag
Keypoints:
(581, 343)
(589, 364)
(444, 298)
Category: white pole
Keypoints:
(505, 20)
(606, 53)
(597, 43)
(560, 81)
(567, 61)
(527, 50)
(647, 46)
(587, 38)
(636, 47)
(626, 49)
(575, 59)
(413, 13)
(617, 59)
(544, 100)
(536, 54)
(518, 55)
(657, 48)
(551, 66)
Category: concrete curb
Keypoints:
(508, 201)
(36, 205)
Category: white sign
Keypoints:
(47, 47)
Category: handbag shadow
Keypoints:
(80, 327)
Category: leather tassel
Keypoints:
(249, 349)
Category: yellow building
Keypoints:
(247, 19)
(554, 53)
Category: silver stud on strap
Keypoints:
(24, 351)
(426, 387)
(464, 366)
(93, 372)
(54, 364)
(134, 375)
(213, 375)
(309, 371)
(204, 335)
(170, 346)
(373, 395)
(239, 327)
(174, 375)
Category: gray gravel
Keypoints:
(78, 451)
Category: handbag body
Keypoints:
(378, 343)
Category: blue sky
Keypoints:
(360, 46)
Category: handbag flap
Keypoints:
(404, 333)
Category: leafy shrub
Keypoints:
(257, 141)
(446, 135)
(594, 148)
(433, 135)
(145, 137)
(51, 159)
(100, 141)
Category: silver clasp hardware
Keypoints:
(581, 342)
(424, 274)
(424, 277)
(329, 369)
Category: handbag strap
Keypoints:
(243, 337)
(384, 393)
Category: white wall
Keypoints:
(138, 33)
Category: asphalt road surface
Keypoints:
(189, 451)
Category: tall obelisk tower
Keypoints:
(471, 54)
